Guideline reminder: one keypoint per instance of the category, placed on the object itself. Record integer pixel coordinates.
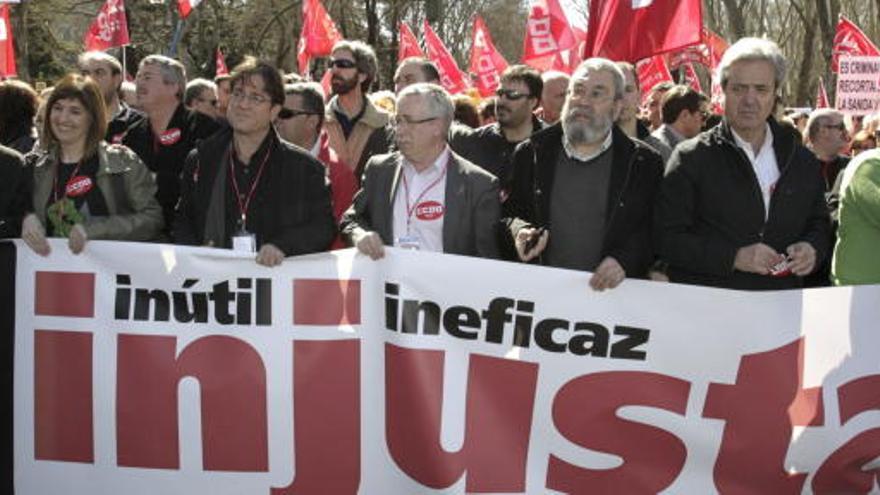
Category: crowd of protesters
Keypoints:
(573, 171)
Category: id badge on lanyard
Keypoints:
(244, 241)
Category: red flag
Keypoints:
(707, 53)
(109, 29)
(220, 64)
(691, 78)
(548, 33)
(850, 40)
(486, 62)
(184, 7)
(7, 48)
(407, 44)
(452, 78)
(322, 32)
(318, 34)
(632, 30)
(651, 72)
(821, 95)
(302, 56)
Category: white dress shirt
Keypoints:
(420, 204)
(764, 164)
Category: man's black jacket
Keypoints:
(711, 205)
(636, 173)
(291, 206)
(165, 159)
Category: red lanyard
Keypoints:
(55, 181)
(243, 206)
(412, 208)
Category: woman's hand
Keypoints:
(34, 236)
(77, 239)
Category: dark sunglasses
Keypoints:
(511, 94)
(289, 113)
(341, 63)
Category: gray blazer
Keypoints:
(472, 212)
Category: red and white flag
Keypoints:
(318, 34)
(850, 40)
(220, 68)
(7, 47)
(452, 78)
(633, 30)
(486, 62)
(109, 29)
(185, 7)
(821, 95)
(690, 77)
(407, 43)
(716, 98)
(548, 34)
(652, 71)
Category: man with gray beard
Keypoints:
(582, 193)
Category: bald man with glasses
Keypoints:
(424, 196)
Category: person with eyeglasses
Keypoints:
(248, 190)
(357, 129)
(424, 196)
(582, 193)
(301, 122)
(201, 96)
(106, 71)
(169, 132)
(742, 206)
(683, 112)
(491, 146)
(827, 138)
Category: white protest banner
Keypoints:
(154, 369)
(858, 85)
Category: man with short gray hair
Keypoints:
(170, 131)
(583, 192)
(439, 201)
(742, 205)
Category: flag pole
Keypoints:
(172, 50)
(124, 66)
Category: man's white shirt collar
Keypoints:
(585, 157)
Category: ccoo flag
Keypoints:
(407, 44)
(109, 29)
(486, 62)
(850, 40)
(452, 78)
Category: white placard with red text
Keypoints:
(858, 85)
(145, 369)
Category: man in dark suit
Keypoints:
(424, 196)
(245, 188)
(583, 192)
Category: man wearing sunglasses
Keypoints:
(683, 112)
(201, 96)
(357, 129)
(491, 146)
(248, 190)
(301, 121)
(827, 138)
(583, 192)
(424, 196)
